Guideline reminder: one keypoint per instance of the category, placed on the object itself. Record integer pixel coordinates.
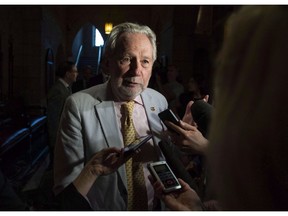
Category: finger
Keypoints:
(186, 126)
(111, 160)
(154, 182)
(184, 185)
(122, 156)
(137, 151)
(158, 189)
(194, 124)
(175, 127)
(188, 118)
(112, 150)
(110, 155)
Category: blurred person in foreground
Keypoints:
(247, 153)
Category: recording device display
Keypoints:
(137, 144)
(168, 115)
(162, 172)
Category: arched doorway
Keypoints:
(87, 47)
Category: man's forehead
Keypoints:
(125, 38)
(125, 42)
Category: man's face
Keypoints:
(131, 66)
(72, 74)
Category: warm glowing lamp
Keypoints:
(108, 28)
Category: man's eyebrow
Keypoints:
(147, 57)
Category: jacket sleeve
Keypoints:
(69, 151)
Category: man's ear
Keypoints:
(206, 98)
(66, 74)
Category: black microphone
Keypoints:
(202, 113)
(172, 156)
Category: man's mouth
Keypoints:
(128, 82)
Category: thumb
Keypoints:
(188, 118)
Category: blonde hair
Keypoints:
(249, 130)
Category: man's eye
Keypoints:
(145, 63)
(125, 60)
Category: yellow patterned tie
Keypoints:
(137, 195)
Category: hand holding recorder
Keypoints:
(185, 199)
(161, 172)
(175, 193)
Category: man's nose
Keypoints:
(135, 66)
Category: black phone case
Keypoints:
(143, 140)
(168, 115)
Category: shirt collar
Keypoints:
(64, 82)
(138, 100)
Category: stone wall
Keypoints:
(29, 31)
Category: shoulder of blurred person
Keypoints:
(248, 154)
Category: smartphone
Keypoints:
(131, 148)
(161, 171)
(168, 115)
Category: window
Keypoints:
(98, 38)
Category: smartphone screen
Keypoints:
(162, 172)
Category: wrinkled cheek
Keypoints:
(117, 82)
(145, 83)
(119, 76)
(146, 80)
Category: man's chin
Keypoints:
(129, 93)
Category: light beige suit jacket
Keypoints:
(88, 124)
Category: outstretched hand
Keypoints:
(104, 162)
(188, 138)
(185, 199)
(188, 118)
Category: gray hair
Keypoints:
(130, 28)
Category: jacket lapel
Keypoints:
(107, 118)
(152, 111)
(106, 115)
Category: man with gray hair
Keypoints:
(95, 119)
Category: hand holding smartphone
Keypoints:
(168, 115)
(136, 144)
(161, 171)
